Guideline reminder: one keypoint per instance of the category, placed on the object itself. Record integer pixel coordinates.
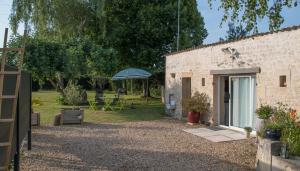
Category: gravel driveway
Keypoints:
(150, 145)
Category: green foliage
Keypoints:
(102, 62)
(107, 105)
(36, 102)
(198, 103)
(291, 135)
(264, 112)
(282, 119)
(93, 105)
(261, 132)
(273, 126)
(143, 31)
(43, 59)
(155, 91)
(251, 11)
(120, 105)
(248, 129)
(72, 94)
(235, 32)
(133, 33)
(61, 100)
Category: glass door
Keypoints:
(242, 106)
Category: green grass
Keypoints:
(152, 110)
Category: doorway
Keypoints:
(186, 92)
(237, 104)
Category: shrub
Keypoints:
(61, 100)
(273, 126)
(291, 135)
(264, 112)
(198, 103)
(155, 91)
(248, 129)
(72, 94)
(282, 118)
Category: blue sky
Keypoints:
(212, 18)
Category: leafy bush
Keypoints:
(283, 118)
(273, 126)
(61, 100)
(264, 112)
(155, 91)
(198, 103)
(248, 129)
(72, 94)
(292, 137)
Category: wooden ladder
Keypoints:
(14, 97)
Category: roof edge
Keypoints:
(231, 41)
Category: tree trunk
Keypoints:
(146, 90)
(56, 86)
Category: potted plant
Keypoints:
(72, 96)
(264, 112)
(273, 131)
(198, 104)
(248, 131)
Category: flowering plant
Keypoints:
(293, 114)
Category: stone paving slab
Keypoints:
(217, 135)
(218, 138)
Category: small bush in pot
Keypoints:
(72, 94)
(264, 112)
(198, 104)
(248, 131)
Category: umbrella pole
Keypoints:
(131, 87)
(147, 91)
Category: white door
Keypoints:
(242, 101)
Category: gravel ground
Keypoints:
(150, 145)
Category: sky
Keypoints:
(212, 18)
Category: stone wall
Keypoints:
(276, 54)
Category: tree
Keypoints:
(144, 31)
(140, 31)
(44, 60)
(235, 32)
(250, 11)
(100, 37)
(57, 19)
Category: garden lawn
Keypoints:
(143, 111)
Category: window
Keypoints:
(282, 80)
(173, 75)
(203, 81)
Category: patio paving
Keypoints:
(216, 134)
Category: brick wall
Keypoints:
(276, 54)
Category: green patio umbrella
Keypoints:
(132, 73)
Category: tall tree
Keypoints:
(143, 31)
(140, 31)
(57, 19)
(250, 11)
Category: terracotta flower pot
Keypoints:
(193, 117)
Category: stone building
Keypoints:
(237, 75)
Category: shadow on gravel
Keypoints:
(99, 147)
